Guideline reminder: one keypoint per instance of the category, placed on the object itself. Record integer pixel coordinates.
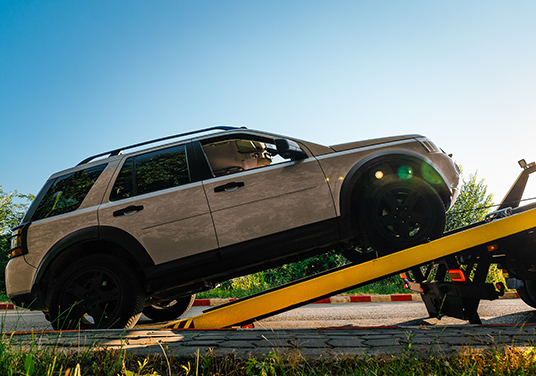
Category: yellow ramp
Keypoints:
(245, 311)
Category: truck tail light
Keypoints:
(493, 247)
(405, 278)
(456, 275)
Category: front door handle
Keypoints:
(129, 210)
(229, 187)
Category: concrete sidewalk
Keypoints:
(310, 343)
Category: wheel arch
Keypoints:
(112, 240)
(353, 183)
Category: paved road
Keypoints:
(502, 311)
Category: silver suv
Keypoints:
(122, 233)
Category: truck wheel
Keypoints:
(398, 214)
(169, 311)
(528, 293)
(96, 292)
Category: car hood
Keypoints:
(375, 141)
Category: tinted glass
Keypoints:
(124, 187)
(67, 193)
(236, 155)
(152, 172)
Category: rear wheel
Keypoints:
(165, 311)
(96, 292)
(398, 214)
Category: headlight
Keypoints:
(428, 145)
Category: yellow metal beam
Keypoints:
(324, 285)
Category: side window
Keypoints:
(151, 172)
(67, 193)
(124, 185)
(235, 155)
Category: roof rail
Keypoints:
(117, 151)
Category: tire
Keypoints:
(96, 292)
(527, 293)
(165, 312)
(395, 214)
(359, 256)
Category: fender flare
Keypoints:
(354, 177)
(107, 234)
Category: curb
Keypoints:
(332, 300)
(348, 299)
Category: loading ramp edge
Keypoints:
(280, 300)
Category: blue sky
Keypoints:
(81, 77)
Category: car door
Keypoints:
(254, 195)
(155, 200)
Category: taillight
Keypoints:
(493, 247)
(456, 275)
(16, 243)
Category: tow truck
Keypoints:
(450, 273)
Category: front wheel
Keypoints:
(96, 292)
(395, 215)
(169, 310)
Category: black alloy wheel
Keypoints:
(399, 214)
(96, 292)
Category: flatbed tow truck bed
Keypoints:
(449, 272)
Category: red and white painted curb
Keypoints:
(4, 306)
(333, 299)
(349, 299)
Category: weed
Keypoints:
(16, 359)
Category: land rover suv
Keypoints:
(145, 227)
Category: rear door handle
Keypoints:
(129, 210)
(229, 187)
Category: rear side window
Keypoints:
(151, 172)
(67, 193)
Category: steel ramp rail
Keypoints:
(245, 311)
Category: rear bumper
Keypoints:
(19, 279)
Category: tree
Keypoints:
(12, 208)
(472, 205)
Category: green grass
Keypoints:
(3, 297)
(257, 282)
(387, 286)
(254, 283)
(245, 286)
(50, 361)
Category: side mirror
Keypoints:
(289, 149)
